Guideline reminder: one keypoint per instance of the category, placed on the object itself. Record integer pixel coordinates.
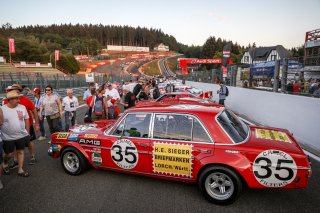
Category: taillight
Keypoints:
(309, 173)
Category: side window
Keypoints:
(118, 131)
(198, 133)
(173, 127)
(137, 125)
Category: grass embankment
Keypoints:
(151, 68)
(172, 64)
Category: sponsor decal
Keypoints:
(56, 147)
(83, 128)
(172, 159)
(93, 150)
(91, 135)
(90, 142)
(124, 154)
(185, 106)
(73, 137)
(96, 159)
(274, 168)
(272, 135)
(62, 136)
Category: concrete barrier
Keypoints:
(299, 114)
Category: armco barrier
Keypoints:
(300, 115)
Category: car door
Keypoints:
(179, 142)
(131, 143)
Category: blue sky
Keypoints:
(267, 22)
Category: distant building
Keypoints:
(312, 48)
(161, 48)
(312, 54)
(257, 55)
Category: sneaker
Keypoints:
(41, 138)
(1, 185)
(13, 165)
(32, 161)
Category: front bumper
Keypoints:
(54, 150)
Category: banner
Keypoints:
(56, 55)
(12, 48)
(226, 54)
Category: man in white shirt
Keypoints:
(111, 94)
(70, 104)
(15, 131)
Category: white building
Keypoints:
(161, 48)
(263, 54)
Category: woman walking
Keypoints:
(51, 105)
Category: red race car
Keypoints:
(209, 146)
(176, 98)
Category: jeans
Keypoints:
(69, 121)
(53, 124)
(41, 123)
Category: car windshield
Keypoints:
(234, 127)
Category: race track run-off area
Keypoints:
(50, 189)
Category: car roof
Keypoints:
(180, 108)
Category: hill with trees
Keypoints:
(36, 43)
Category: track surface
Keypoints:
(50, 189)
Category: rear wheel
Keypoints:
(73, 162)
(220, 185)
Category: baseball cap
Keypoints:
(36, 90)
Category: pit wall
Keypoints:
(299, 114)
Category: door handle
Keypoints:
(205, 151)
(143, 145)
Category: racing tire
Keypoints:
(73, 162)
(220, 185)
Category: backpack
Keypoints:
(156, 93)
(227, 91)
(98, 105)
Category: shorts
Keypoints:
(19, 144)
(33, 135)
(1, 150)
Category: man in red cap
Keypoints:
(30, 109)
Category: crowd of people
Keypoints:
(108, 100)
(21, 118)
(310, 86)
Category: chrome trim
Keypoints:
(191, 115)
(105, 148)
(234, 143)
(151, 126)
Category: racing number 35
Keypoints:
(124, 154)
(128, 152)
(269, 171)
(268, 174)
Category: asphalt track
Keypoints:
(50, 189)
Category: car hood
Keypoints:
(97, 127)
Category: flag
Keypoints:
(12, 48)
(226, 54)
(56, 55)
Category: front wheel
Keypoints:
(73, 162)
(220, 185)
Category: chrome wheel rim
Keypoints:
(219, 186)
(71, 161)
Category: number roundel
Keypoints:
(274, 168)
(124, 154)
